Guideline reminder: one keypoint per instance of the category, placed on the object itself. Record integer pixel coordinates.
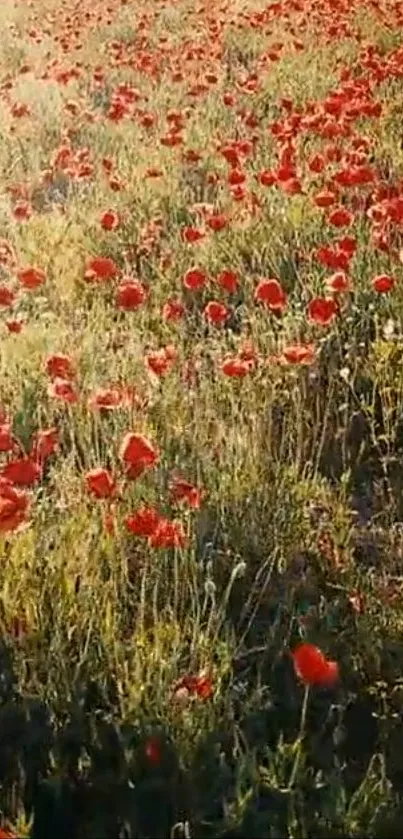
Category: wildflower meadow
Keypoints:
(201, 419)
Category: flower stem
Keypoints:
(297, 758)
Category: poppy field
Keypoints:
(201, 419)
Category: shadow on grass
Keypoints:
(87, 776)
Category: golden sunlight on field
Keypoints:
(201, 421)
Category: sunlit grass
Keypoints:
(297, 536)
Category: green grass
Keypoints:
(298, 536)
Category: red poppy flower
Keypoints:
(267, 178)
(192, 156)
(14, 326)
(194, 685)
(228, 281)
(236, 177)
(173, 310)
(143, 522)
(317, 164)
(216, 312)
(110, 220)
(193, 234)
(23, 472)
(60, 366)
(338, 282)
(100, 483)
(6, 437)
(109, 399)
(181, 490)
(195, 279)
(118, 109)
(63, 390)
(271, 294)
(14, 506)
(313, 667)
(61, 157)
(84, 170)
(325, 198)
(228, 99)
(237, 367)
(168, 534)
(45, 443)
(100, 268)
(161, 361)
(22, 211)
(138, 454)
(203, 686)
(31, 278)
(116, 183)
(292, 186)
(217, 221)
(348, 245)
(285, 173)
(238, 193)
(383, 283)
(340, 217)
(130, 295)
(322, 310)
(231, 155)
(7, 296)
(299, 354)
(335, 259)
(171, 139)
(148, 120)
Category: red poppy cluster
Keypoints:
(197, 277)
(137, 455)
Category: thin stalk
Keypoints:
(300, 738)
